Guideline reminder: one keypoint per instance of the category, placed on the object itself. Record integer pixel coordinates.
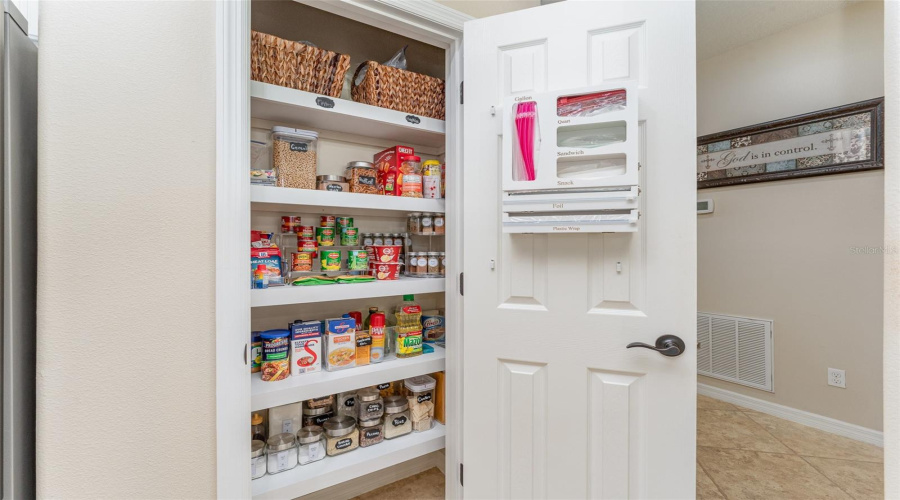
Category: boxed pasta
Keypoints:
(340, 343)
(306, 347)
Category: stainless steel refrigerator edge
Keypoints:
(19, 232)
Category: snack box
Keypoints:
(340, 343)
(271, 258)
(306, 347)
(387, 165)
(433, 328)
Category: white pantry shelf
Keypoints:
(286, 295)
(318, 112)
(305, 479)
(277, 199)
(313, 385)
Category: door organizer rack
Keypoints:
(570, 161)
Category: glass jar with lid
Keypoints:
(371, 432)
(439, 227)
(257, 459)
(378, 239)
(371, 406)
(422, 264)
(316, 416)
(367, 239)
(433, 264)
(442, 256)
(334, 183)
(412, 266)
(362, 177)
(311, 444)
(346, 404)
(426, 223)
(281, 453)
(412, 222)
(294, 157)
(410, 176)
(340, 435)
(396, 417)
(420, 391)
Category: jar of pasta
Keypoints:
(341, 435)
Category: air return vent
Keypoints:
(735, 349)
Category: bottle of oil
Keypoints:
(409, 328)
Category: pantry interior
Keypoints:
(349, 131)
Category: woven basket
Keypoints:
(401, 90)
(295, 65)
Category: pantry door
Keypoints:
(554, 405)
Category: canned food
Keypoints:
(344, 221)
(290, 224)
(303, 261)
(326, 221)
(349, 236)
(325, 236)
(386, 271)
(306, 232)
(309, 245)
(357, 260)
(386, 254)
(331, 260)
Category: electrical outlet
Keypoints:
(837, 378)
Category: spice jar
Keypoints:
(412, 222)
(362, 177)
(439, 227)
(433, 263)
(426, 223)
(396, 417)
(371, 432)
(257, 459)
(316, 416)
(442, 256)
(294, 157)
(332, 183)
(378, 239)
(422, 264)
(368, 240)
(341, 435)
(281, 453)
(420, 391)
(311, 446)
(411, 268)
(371, 405)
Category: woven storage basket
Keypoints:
(401, 90)
(298, 66)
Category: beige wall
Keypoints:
(485, 8)
(126, 333)
(781, 250)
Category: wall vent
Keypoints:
(735, 349)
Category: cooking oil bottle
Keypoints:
(409, 328)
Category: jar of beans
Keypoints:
(294, 157)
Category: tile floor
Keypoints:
(742, 454)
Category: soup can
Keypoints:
(349, 237)
(357, 260)
(306, 233)
(325, 236)
(308, 245)
(330, 260)
(326, 221)
(344, 221)
(303, 261)
(290, 224)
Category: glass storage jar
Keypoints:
(443, 263)
(346, 404)
(396, 417)
(281, 453)
(378, 239)
(439, 227)
(434, 264)
(420, 391)
(426, 223)
(334, 183)
(362, 177)
(422, 264)
(316, 416)
(340, 435)
(412, 222)
(367, 240)
(311, 446)
(371, 406)
(410, 176)
(371, 432)
(294, 157)
(257, 459)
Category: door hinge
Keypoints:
(461, 92)
(461, 281)
(461, 475)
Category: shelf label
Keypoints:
(415, 120)
(300, 146)
(324, 102)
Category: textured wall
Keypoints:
(126, 333)
(781, 250)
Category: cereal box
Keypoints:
(340, 343)
(306, 347)
(387, 164)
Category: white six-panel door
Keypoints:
(555, 406)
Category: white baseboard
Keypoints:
(813, 420)
(377, 479)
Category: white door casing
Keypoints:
(554, 404)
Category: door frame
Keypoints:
(423, 20)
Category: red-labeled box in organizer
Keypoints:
(385, 271)
(387, 164)
(386, 254)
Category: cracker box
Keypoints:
(340, 343)
(306, 347)
(387, 165)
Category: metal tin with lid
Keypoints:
(360, 164)
(368, 394)
(310, 434)
(395, 404)
(283, 441)
(340, 426)
(330, 178)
